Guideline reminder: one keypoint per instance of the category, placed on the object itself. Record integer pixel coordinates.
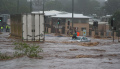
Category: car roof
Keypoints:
(81, 36)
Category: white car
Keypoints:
(82, 39)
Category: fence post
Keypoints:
(99, 33)
(49, 30)
(104, 34)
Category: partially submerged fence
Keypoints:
(16, 25)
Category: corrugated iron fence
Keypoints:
(16, 25)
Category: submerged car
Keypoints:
(82, 39)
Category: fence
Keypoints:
(16, 25)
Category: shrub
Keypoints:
(29, 50)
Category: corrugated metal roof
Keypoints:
(69, 15)
(49, 13)
(61, 14)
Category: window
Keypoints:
(84, 20)
(68, 20)
(76, 21)
(83, 29)
(79, 20)
(63, 20)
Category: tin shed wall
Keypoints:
(16, 25)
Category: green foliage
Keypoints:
(4, 57)
(11, 6)
(46, 32)
(116, 16)
(53, 5)
(111, 6)
(33, 51)
(29, 50)
(87, 6)
(17, 54)
(21, 46)
(80, 6)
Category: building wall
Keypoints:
(64, 23)
(79, 27)
(78, 24)
(102, 30)
(103, 27)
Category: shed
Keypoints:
(29, 27)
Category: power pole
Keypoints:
(30, 6)
(43, 7)
(113, 34)
(113, 29)
(17, 6)
(72, 14)
(44, 19)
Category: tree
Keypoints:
(24, 6)
(37, 5)
(67, 5)
(11, 6)
(87, 6)
(111, 6)
(53, 5)
(116, 21)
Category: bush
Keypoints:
(4, 57)
(29, 50)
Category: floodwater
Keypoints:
(58, 55)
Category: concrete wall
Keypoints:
(103, 27)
